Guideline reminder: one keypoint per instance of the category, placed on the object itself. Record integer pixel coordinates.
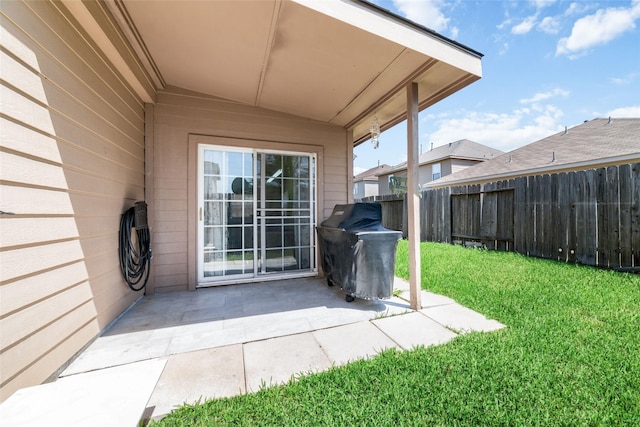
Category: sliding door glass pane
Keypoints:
(228, 212)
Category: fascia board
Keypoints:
(398, 32)
(79, 10)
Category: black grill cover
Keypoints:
(357, 252)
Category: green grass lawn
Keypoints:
(570, 355)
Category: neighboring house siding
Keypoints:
(359, 192)
(366, 189)
(383, 185)
(72, 161)
(460, 164)
(183, 119)
(447, 167)
(424, 174)
(383, 182)
(370, 188)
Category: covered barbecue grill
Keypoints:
(357, 253)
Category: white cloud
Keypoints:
(525, 26)
(577, 9)
(624, 80)
(505, 131)
(539, 4)
(549, 25)
(504, 49)
(507, 22)
(598, 28)
(632, 112)
(545, 95)
(424, 12)
(357, 170)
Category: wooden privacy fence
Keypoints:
(589, 217)
(394, 211)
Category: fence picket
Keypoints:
(602, 259)
(612, 195)
(446, 229)
(635, 214)
(561, 211)
(591, 218)
(626, 201)
(572, 207)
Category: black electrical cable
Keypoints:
(135, 257)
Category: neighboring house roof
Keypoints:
(371, 174)
(462, 149)
(591, 144)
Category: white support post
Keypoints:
(350, 166)
(413, 196)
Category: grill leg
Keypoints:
(349, 298)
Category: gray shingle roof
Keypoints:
(371, 174)
(586, 145)
(461, 149)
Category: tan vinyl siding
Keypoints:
(72, 160)
(446, 167)
(180, 114)
(460, 164)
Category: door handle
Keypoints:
(200, 214)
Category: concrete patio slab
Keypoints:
(429, 299)
(344, 344)
(108, 397)
(199, 376)
(461, 319)
(414, 329)
(275, 361)
(110, 352)
(192, 339)
(163, 325)
(225, 341)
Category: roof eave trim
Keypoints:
(384, 24)
(100, 25)
(420, 27)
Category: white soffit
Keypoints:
(338, 62)
(398, 31)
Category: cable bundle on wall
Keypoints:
(135, 256)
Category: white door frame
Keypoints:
(258, 274)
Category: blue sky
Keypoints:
(546, 65)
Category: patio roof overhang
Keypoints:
(338, 62)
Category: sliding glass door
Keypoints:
(257, 214)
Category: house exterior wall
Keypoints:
(460, 164)
(72, 161)
(370, 188)
(424, 174)
(358, 190)
(365, 189)
(383, 185)
(383, 182)
(447, 167)
(426, 170)
(182, 120)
